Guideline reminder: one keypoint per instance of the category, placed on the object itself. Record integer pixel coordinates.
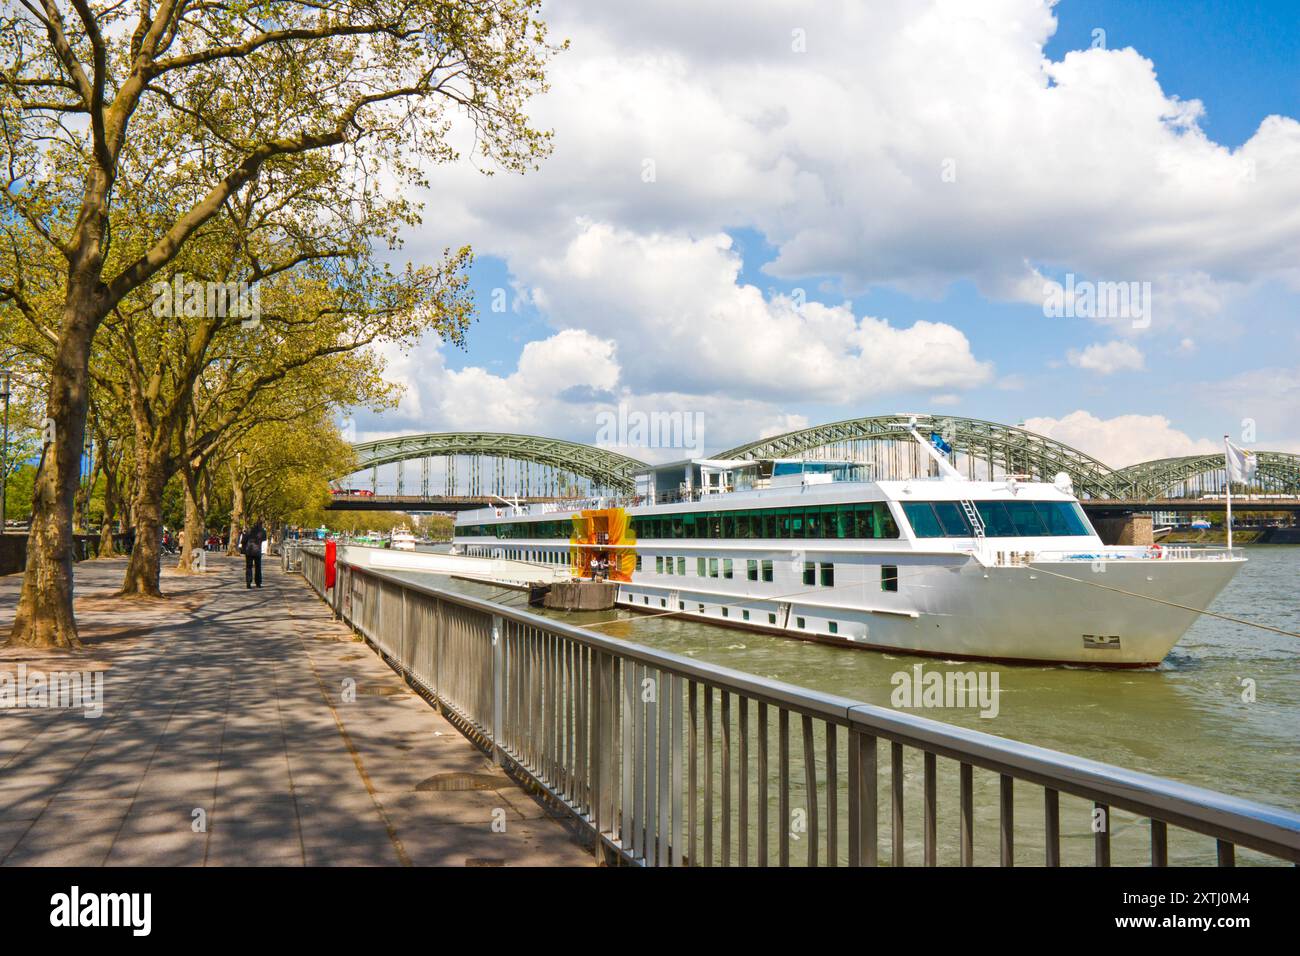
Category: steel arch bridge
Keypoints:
(1277, 472)
(542, 465)
(985, 449)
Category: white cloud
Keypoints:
(1262, 403)
(1108, 358)
(562, 387)
(915, 144)
(887, 152)
(1123, 440)
(677, 305)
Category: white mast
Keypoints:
(945, 467)
(1227, 459)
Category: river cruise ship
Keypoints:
(1006, 570)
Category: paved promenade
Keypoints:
(226, 739)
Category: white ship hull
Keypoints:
(1054, 612)
(1005, 570)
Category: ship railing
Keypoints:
(992, 557)
(664, 760)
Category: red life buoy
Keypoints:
(1155, 551)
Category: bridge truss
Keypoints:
(478, 464)
(484, 464)
(1191, 476)
(983, 450)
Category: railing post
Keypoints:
(602, 748)
(498, 688)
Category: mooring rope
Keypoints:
(1184, 607)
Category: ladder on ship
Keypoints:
(973, 517)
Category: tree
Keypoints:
(23, 447)
(364, 87)
(282, 468)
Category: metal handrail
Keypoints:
(666, 778)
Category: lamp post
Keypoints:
(4, 445)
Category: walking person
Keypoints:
(250, 544)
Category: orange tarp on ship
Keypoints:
(604, 535)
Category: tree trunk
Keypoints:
(144, 568)
(236, 514)
(44, 616)
(80, 505)
(194, 519)
(106, 520)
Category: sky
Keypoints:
(1081, 216)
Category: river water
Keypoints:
(1222, 711)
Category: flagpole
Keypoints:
(1227, 461)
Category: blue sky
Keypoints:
(823, 182)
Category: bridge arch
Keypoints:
(500, 463)
(984, 450)
(1195, 475)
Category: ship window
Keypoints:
(833, 627)
(744, 615)
(828, 575)
(767, 570)
(812, 523)
(799, 623)
(997, 523)
(924, 522)
(771, 618)
(659, 564)
(663, 602)
(681, 565)
(646, 599)
(726, 567)
(1063, 517)
(668, 565)
(1024, 517)
(700, 567)
(809, 573)
(681, 605)
(713, 567)
(889, 577)
(751, 569)
(726, 611)
(953, 519)
(701, 608)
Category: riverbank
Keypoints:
(1241, 536)
(1211, 538)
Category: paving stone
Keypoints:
(231, 701)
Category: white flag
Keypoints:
(1241, 464)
